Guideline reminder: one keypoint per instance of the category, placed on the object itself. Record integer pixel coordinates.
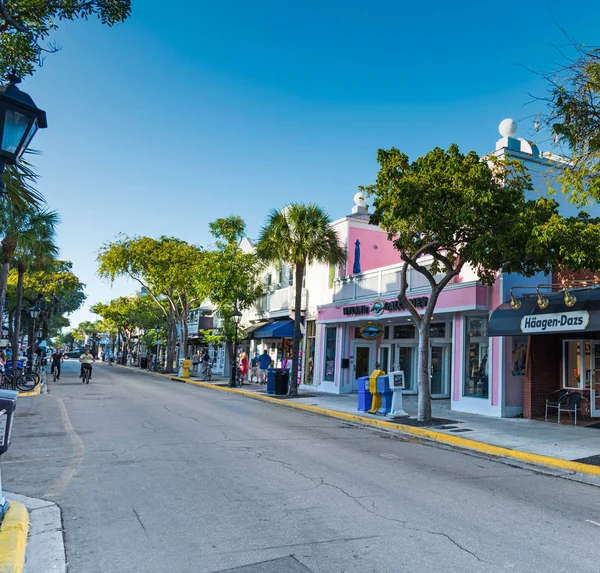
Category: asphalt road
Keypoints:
(159, 476)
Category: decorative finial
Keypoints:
(360, 199)
(508, 127)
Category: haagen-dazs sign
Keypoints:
(556, 322)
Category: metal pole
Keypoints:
(234, 361)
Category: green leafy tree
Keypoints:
(168, 269)
(58, 292)
(27, 25)
(299, 235)
(231, 277)
(447, 210)
(22, 227)
(573, 118)
(36, 251)
(127, 315)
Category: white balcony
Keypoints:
(382, 282)
(276, 304)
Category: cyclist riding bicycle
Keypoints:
(56, 360)
(86, 360)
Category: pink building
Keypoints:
(476, 373)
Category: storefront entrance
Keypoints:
(581, 359)
(439, 370)
(364, 361)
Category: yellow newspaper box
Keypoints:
(186, 368)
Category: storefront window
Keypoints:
(519, 355)
(477, 347)
(310, 352)
(407, 358)
(437, 330)
(572, 374)
(330, 344)
(404, 331)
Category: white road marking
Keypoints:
(594, 522)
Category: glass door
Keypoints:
(439, 370)
(364, 361)
(384, 358)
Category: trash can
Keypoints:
(8, 403)
(282, 378)
(271, 381)
(143, 362)
(365, 398)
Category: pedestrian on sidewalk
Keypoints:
(243, 365)
(254, 365)
(263, 363)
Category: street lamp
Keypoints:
(34, 313)
(20, 119)
(236, 317)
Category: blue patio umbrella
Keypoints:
(356, 266)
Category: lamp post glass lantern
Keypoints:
(236, 317)
(20, 119)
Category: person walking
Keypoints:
(263, 364)
(254, 367)
(243, 365)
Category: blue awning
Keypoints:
(279, 329)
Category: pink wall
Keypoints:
(467, 298)
(370, 257)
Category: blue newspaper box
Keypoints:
(8, 403)
(383, 388)
(271, 381)
(365, 398)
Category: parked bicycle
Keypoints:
(207, 371)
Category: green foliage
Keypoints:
(128, 313)
(26, 26)
(58, 292)
(299, 235)
(574, 118)
(460, 209)
(20, 181)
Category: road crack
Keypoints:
(141, 523)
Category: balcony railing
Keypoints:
(379, 282)
(277, 302)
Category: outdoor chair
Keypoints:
(554, 399)
(570, 403)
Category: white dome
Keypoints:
(508, 127)
(360, 199)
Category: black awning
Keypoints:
(557, 317)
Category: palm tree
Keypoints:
(20, 180)
(299, 235)
(22, 227)
(36, 251)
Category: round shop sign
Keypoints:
(378, 307)
(371, 331)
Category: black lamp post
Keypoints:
(34, 313)
(20, 119)
(236, 317)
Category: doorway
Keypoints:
(439, 370)
(364, 361)
(385, 356)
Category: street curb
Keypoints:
(13, 538)
(439, 437)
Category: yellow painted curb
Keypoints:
(35, 392)
(474, 445)
(13, 538)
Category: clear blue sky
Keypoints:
(193, 110)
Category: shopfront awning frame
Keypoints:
(506, 320)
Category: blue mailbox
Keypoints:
(365, 398)
(383, 388)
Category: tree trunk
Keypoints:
(18, 310)
(424, 398)
(171, 348)
(293, 391)
(3, 284)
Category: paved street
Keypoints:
(158, 476)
